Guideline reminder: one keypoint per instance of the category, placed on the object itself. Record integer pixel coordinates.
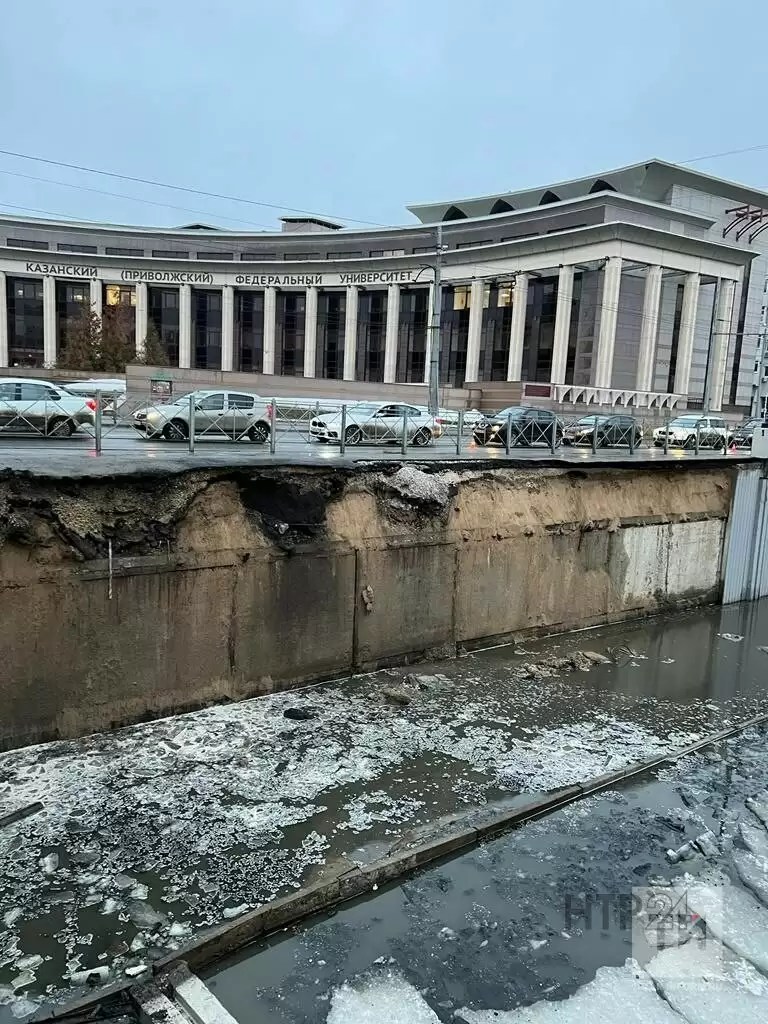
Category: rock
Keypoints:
(300, 714)
(396, 695)
(595, 657)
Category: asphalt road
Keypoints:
(125, 450)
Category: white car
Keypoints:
(377, 423)
(712, 432)
(111, 390)
(30, 406)
(233, 415)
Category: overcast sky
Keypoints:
(353, 109)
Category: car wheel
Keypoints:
(259, 433)
(422, 437)
(60, 427)
(353, 435)
(176, 430)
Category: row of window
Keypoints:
(257, 255)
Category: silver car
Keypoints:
(376, 423)
(39, 407)
(235, 415)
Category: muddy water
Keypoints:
(164, 829)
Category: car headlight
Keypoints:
(495, 428)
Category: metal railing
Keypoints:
(214, 421)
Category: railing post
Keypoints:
(666, 435)
(343, 438)
(191, 430)
(459, 431)
(404, 441)
(632, 437)
(508, 438)
(553, 437)
(272, 426)
(98, 423)
(698, 439)
(594, 437)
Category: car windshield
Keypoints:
(588, 421)
(515, 411)
(685, 421)
(366, 408)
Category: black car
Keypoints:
(525, 426)
(741, 436)
(610, 430)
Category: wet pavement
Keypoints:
(530, 916)
(150, 834)
(125, 450)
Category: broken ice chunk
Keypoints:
(387, 998)
(124, 881)
(49, 863)
(734, 917)
(133, 972)
(23, 1007)
(759, 806)
(755, 839)
(753, 871)
(10, 917)
(616, 993)
(29, 963)
(230, 912)
(708, 984)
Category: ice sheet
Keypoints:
(617, 995)
(708, 984)
(388, 997)
(753, 871)
(754, 838)
(734, 917)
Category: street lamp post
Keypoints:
(434, 328)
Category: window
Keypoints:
(171, 254)
(7, 392)
(471, 245)
(212, 402)
(516, 238)
(345, 254)
(25, 243)
(461, 296)
(119, 251)
(301, 256)
(565, 227)
(504, 293)
(241, 401)
(215, 255)
(120, 295)
(75, 247)
(252, 254)
(390, 252)
(423, 248)
(33, 392)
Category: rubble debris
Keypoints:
(398, 696)
(300, 714)
(367, 595)
(707, 843)
(91, 976)
(735, 638)
(684, 852)
(134, 972)
(595, 657)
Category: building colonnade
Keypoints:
(322, 332)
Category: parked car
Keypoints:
(527, 426)
(376, 422)
(604, 431)
(237, 415)
(111, 390)
(712, 431)
(39, 407)
(448, 419)
(741, 436)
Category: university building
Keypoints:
(642, 286)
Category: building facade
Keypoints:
(642, 286)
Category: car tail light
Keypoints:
(92, 405)
(269, 411)
(441, 422)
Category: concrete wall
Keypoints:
(230, 583)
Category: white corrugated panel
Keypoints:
(746, 559)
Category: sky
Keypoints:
(352, 110)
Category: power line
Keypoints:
(728, 152)
(179, 188)
(134, 199)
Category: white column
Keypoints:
(141, 317)
(3, 321)
(721, 335)
(49, 321)
(428, 346)
(270, 316)
(685, 337)
(227, 327)
(350, 333)
(392, 333)
(609, 311)
(562, 325)
(649, 329)
(97, 300)
(474, 333)
(185, 326)
(310, 331)
(517, 328)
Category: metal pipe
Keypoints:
(459, 431)
(98, 423)
(191, 429)
(343, 438)
(698, 438)
(553, 437)
(434, 329)
(273, 425)
(404, 440)
(508, 438)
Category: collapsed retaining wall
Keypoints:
(136, 596)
